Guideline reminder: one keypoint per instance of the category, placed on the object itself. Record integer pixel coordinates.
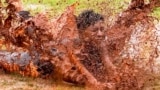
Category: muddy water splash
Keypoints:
(57, 42)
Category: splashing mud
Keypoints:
(53, 48)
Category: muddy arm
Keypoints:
(105, 57)
(90, 78)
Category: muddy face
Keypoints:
(95, 32)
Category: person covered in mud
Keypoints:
(91, 30)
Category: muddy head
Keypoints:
(91, 26)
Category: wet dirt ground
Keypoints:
(18, 82)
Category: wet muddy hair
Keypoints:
(87, 18)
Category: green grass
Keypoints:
(56, 7)
(156, 12)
